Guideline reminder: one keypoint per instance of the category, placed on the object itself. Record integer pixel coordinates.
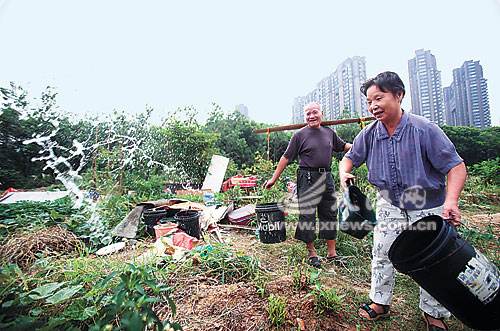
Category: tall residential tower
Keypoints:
(425, 87)
(337, 93)
(466, 99)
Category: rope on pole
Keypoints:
(268, 141)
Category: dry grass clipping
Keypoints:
(23, 249)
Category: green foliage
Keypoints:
(237, 141)
(327, 300)
(488, 171)
(220, 262)
(120, 300)
(132, 302)
(276, 309)
(30, 216)
(474, 145)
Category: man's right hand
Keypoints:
(269, 183)
(344, 178)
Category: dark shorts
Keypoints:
(316, 193)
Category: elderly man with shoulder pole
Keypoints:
(314, 146)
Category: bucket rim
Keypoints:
(269, 206)
(428, 252)
(187, 214)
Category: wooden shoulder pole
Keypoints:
(324, 123)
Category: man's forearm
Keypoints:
(456, 180)
(283, 162)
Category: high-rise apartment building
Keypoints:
(337, 93)
(425, 87)
(242, 109)
(466, 99)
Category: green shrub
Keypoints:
(488, 171)
(327, 300)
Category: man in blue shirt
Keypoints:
(408, 160)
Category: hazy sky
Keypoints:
(102, 55)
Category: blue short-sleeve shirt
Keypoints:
(409, 168)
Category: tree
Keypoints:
(473, 144)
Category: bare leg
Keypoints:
(311, 249)
(331, 248)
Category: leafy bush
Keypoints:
(29, 215)
(122, 300)
(131, 305)
(488, 171)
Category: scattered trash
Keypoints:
(110, 249)
(215, 174)
(13, 196)
(188, 205)
(208, 197)
(189, 222)
(241, 181)
(165, 229)
(242, 216)
(128, 227)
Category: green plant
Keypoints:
(130, 306)
(260, 280)
(298, 276)
(488, 171)
(327, 300)
(276, 308)
(220, 262)
(30, 216)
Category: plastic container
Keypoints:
(462, 279)
(271, 223)
(189, 222)
(356, 215)
(151, 217)
(242, 216)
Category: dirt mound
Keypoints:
(220, 307)
(301, 306)
(24, 249)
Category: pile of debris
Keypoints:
(51, 241)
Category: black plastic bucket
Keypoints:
(188, 221)
(358, 219)
(433, 254)
(271, 223)
(151, 217)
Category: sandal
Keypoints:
(337, 260)
(432, 327)
(314, 261)
(372, 313)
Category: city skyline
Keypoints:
(464, 103)
(125, 55)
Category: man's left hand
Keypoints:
(451, 212)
